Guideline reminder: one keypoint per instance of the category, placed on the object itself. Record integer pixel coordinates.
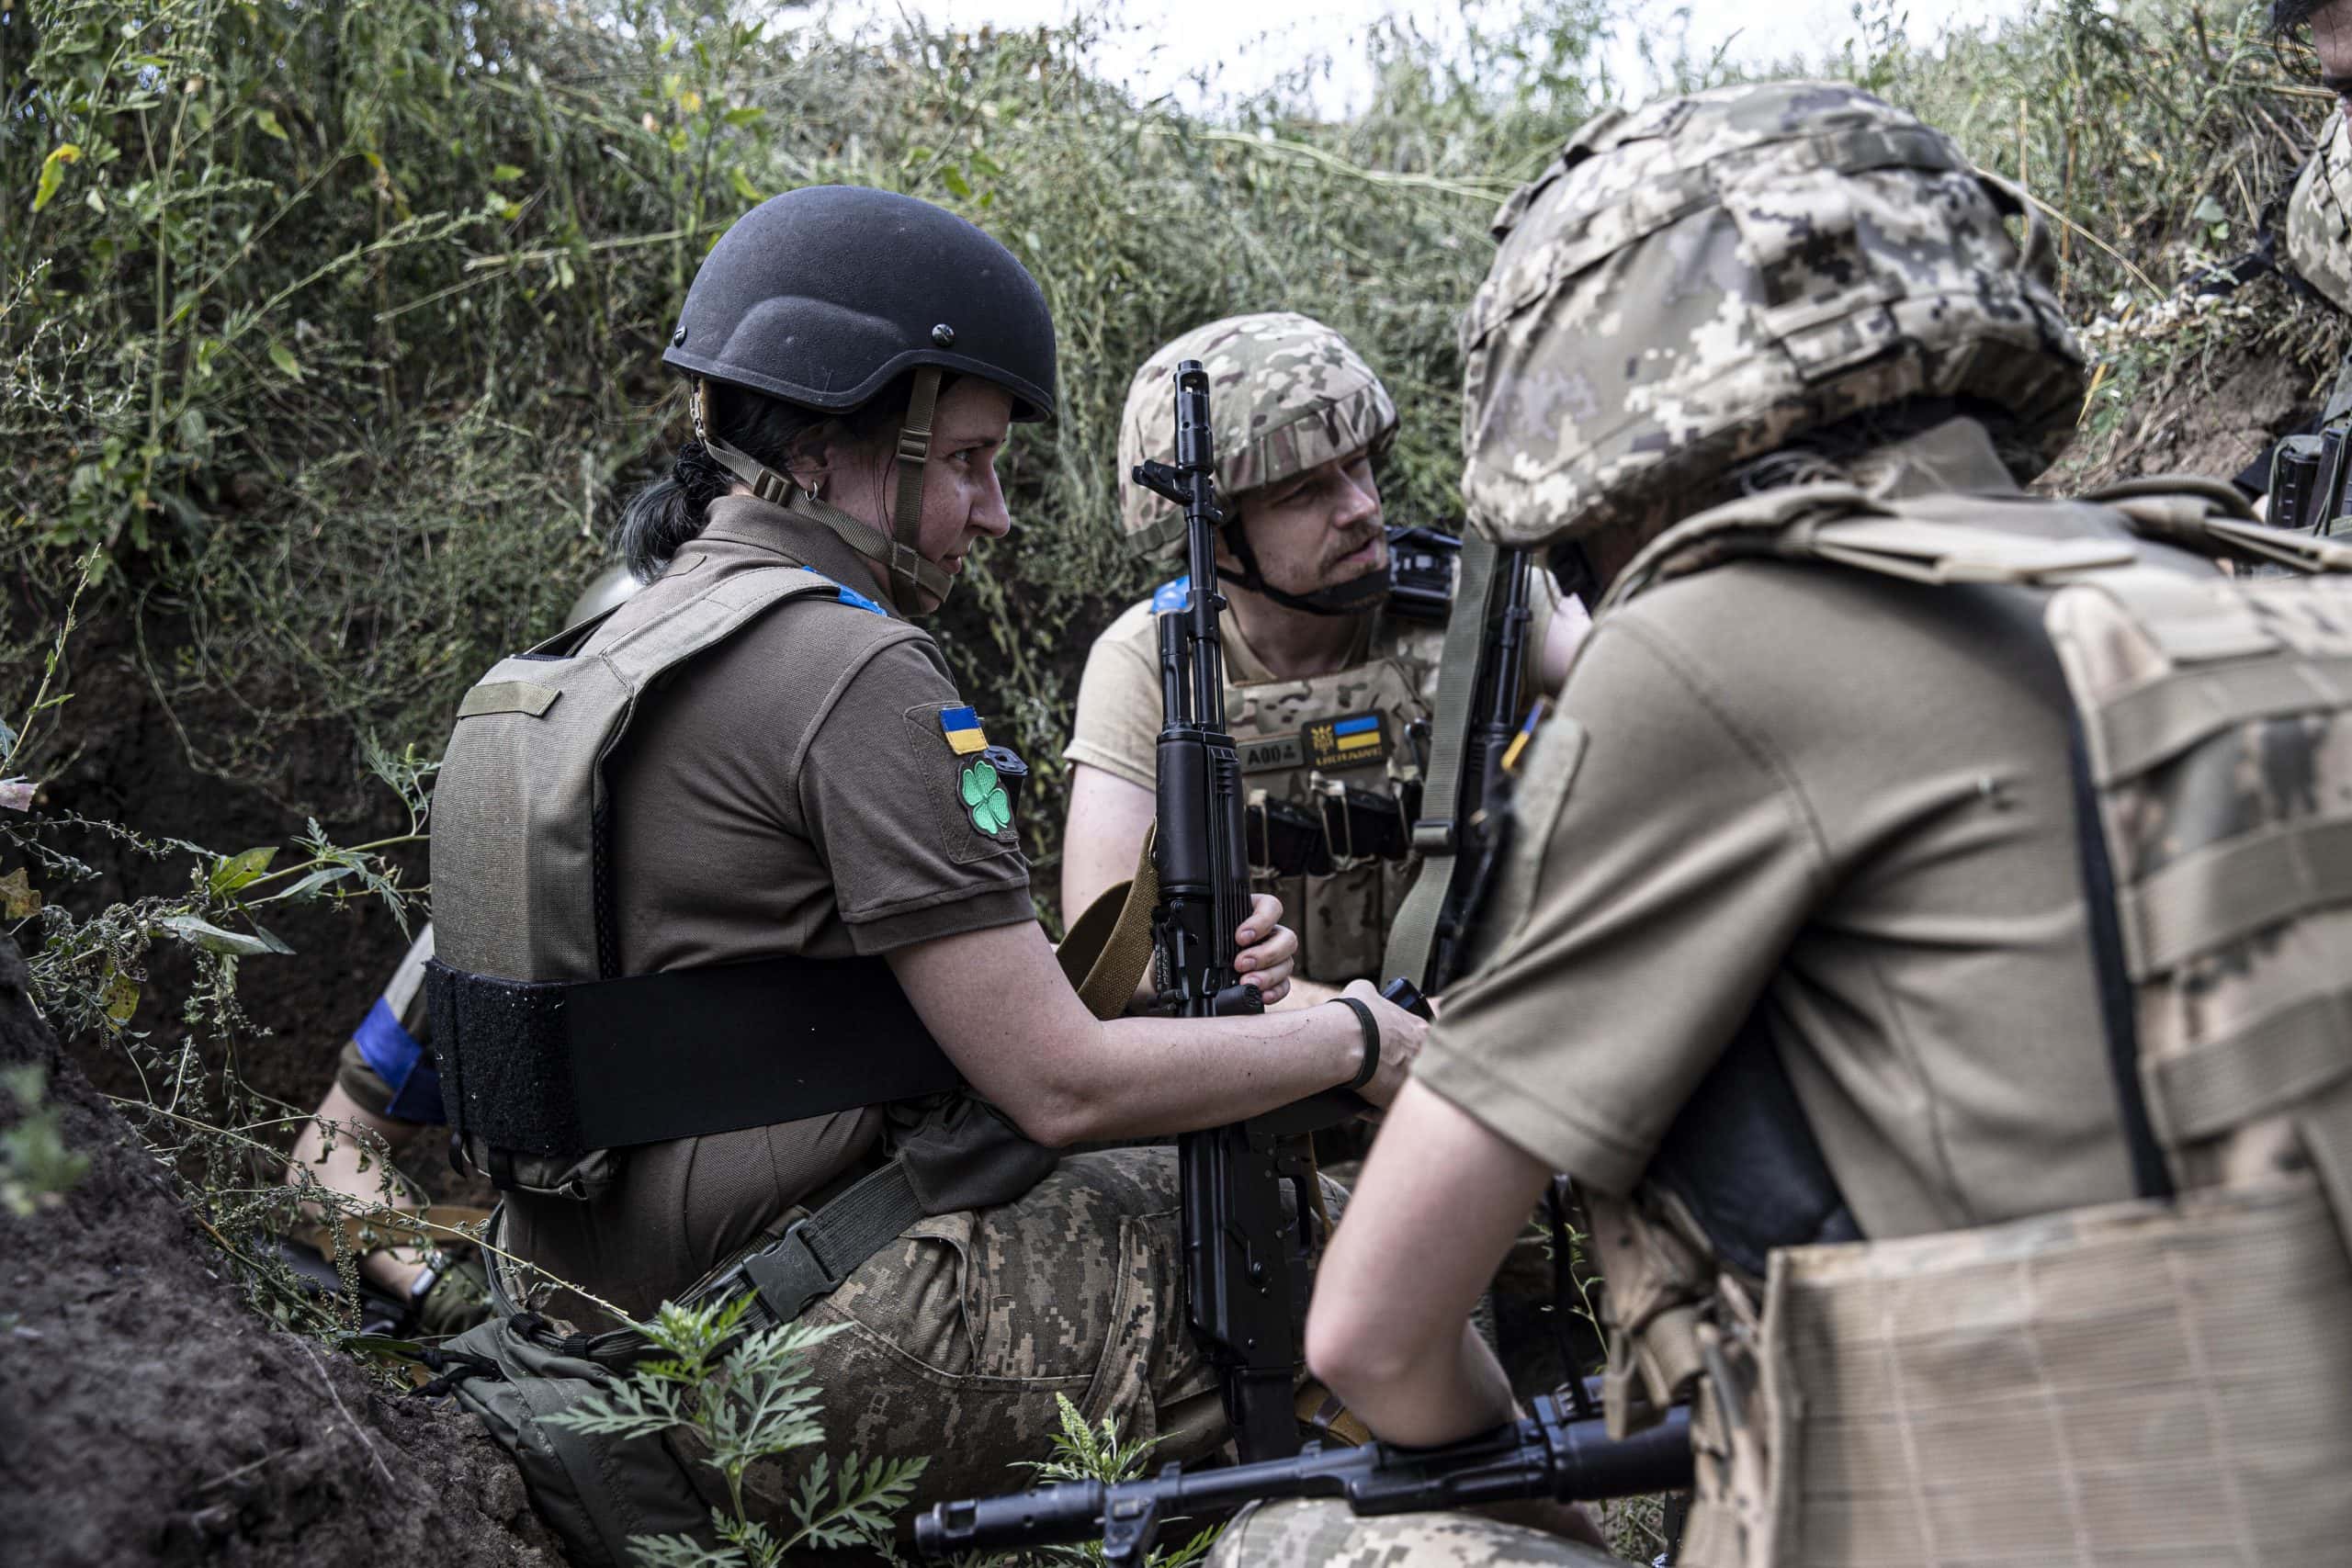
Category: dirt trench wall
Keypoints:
(148, 1416)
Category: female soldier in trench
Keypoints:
(760, 764)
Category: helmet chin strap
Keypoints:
(1350, 598)
(910, 575)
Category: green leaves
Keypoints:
(749, 1397)
(214, 939)
(232, 872)
(984, 796)
(20, 899)
(36, 1167)
(283, 357)
(268, 124)
(52, 173)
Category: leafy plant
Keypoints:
(36, 1167)
(746, 1395)
(1081, 1452)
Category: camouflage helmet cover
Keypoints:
(2319, 216)
(1701, 280)
(1286, 394)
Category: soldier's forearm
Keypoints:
(1305, 993)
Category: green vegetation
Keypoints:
(335, 330)
(739, 1398)
(329, 347)
(36, 1167)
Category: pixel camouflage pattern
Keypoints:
(1703, 279)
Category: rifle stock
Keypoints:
(1460, 835)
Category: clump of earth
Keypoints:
(148, 1415)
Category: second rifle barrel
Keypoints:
(1514, 1461)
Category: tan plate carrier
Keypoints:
(2161, 1381)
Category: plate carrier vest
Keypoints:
(2161, 1379)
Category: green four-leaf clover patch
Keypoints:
(984, 796)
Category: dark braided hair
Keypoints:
(661, 518)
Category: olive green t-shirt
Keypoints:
(793, 789)
(1835, 807)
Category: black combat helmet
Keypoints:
(822, 295)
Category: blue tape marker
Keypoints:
(852, 596)
(1169, 596)
(404, 1064)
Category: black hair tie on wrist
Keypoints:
(1371, 1027)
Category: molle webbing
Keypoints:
(2106, 1388)
(2219, 730)
(2155, 1380)
(563, 1067)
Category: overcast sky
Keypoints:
(1166, 45)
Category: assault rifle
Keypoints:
(1244, 1266)
(1547, 1455)
(1479, 695)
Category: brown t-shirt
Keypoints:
(794, 790)
(1835, 807)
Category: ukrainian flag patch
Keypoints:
(962, 727)
(1347, 741)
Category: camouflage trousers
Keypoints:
(959, 1334)
(1322, 1534)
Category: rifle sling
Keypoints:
(1415, 929)
(562, 1067)
(1109, 947)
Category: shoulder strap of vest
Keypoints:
(713, 615)
(2208, 517)
(1840, 524)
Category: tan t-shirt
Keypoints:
(1117, 726)
(791, 791)
(1839, 808)
(1388, 683)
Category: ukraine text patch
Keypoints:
(962, 727)
(1347, 741)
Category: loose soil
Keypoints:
(147, 1415)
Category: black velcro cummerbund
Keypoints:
(562, 1067)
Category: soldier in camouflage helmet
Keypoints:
(2319, 209)
(1797, 955)
(1325, 684)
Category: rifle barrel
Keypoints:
(1543, 1455)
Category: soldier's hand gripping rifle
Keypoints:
(1244, 1266)
(1459, 835)
(1547, 1455)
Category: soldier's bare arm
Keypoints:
(1440, 1200)
(1108, 818)
(355, 1161)
(999, 1007)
